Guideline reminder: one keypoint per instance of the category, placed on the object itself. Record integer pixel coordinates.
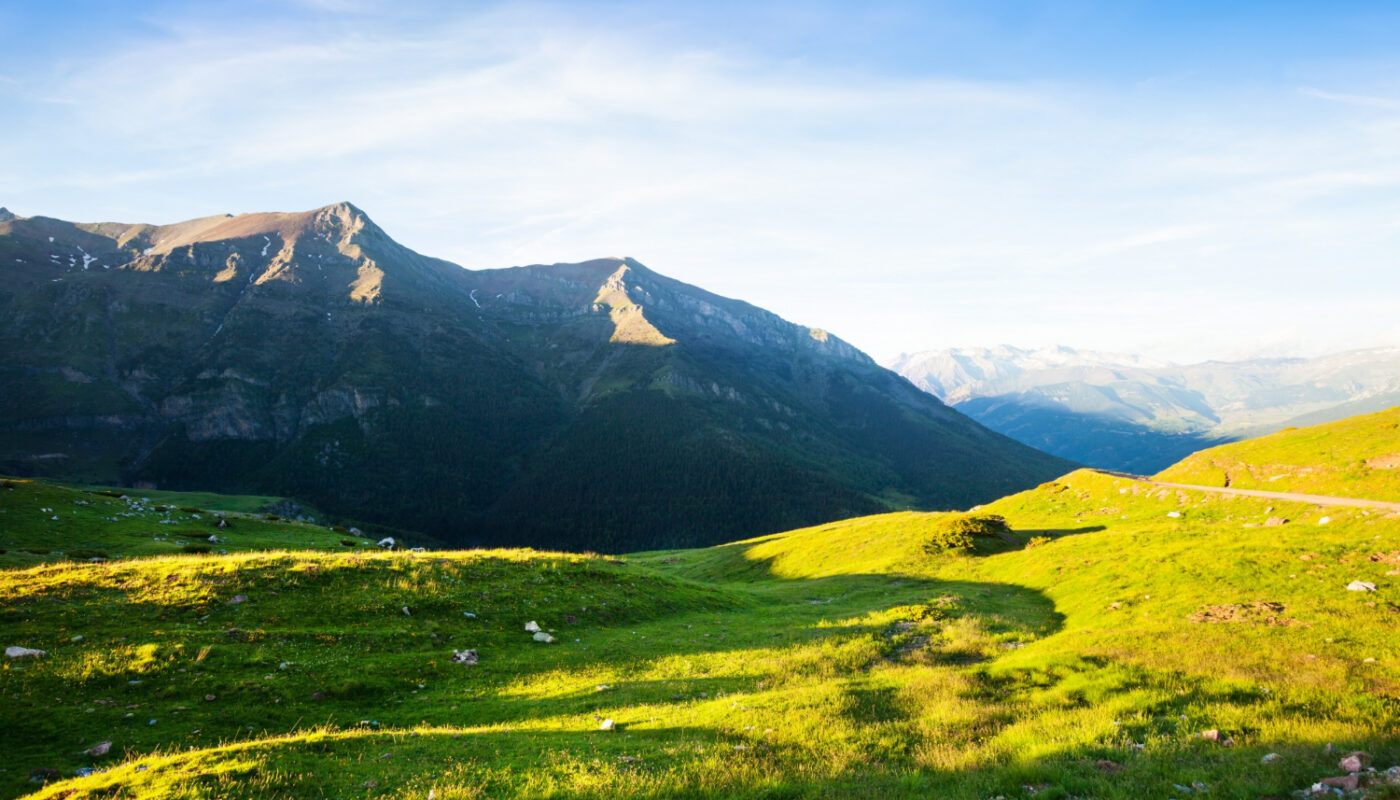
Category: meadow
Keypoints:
(1119, 641)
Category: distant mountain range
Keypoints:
(1130, 413)
(596, 405)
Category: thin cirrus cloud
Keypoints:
(806, 185)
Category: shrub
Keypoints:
(196, 548)
(350, 542)
(109, 493)
(1037, 541)
(191, 510)
(943, 538)
(38, 551)
(159, 508)
(83, 554)
(956, 531)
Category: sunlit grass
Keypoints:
(838, 661)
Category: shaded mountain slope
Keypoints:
(594, 405)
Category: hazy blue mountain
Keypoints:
(1131, 413)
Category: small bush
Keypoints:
(159, 509)
(109, 493)
(191, 510)
(83, 554)
(271, 517)
(1037, 541)
(196, 548)
(38, 551)
(941, 539)
(956, 531)
(350, 542)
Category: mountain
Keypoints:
(597, 405)
(1129, 413)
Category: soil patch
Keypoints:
(1263, 613)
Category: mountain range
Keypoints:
(595, 405)
(1132, 413)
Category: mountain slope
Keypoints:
(1129, 413)
(1084, 653)
(1355, 457)
(597, 405)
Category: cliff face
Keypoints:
(593, 405)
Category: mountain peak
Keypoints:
(6, 215)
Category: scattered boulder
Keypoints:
(209, 698)
(387, 542)
(1361, 586)
(43, 775)
(23, 652)
(1270, 758)
(606, 725)
(541, 636)
(1274, 522)
(1348, 783)
(1324, 520)
(570, 619)
(1355, 761)
(467, 657)
(99, 749)
(318, 695)
(1174, 514)
(406, 612)
(532, 627)
(468, 615)
(1211, 735)
(238, 598)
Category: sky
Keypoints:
(1184, 180)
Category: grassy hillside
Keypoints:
(1080, 654)
(1355, 457)
(43, 522)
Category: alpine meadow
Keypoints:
(1079, 478)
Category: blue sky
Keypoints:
(1188, 180)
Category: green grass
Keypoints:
(843, 660)
(44, 522)
(1355, 457)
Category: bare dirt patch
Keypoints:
(1259, 613)
(1391, 461)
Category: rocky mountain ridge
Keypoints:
(594, 405)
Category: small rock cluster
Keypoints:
(1359, 779)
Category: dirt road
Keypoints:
(1292, 497)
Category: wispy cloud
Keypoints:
(1365, 101)
(512, 134)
